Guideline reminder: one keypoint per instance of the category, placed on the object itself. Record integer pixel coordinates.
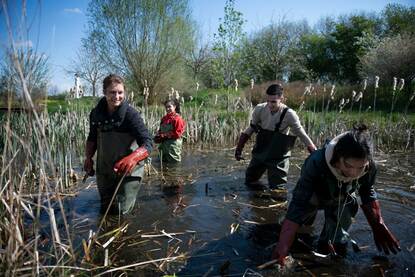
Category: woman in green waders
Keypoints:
(122, 142)
(170, 133)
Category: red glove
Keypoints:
(126, 164)
(384, 239)
(287, 235)
(311, 148)
(240, 146)
(90, 149)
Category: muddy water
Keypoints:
(222, 228)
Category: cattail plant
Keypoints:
(342, 104)
(376, 88)
(395, 83)
(331, 98)
(324, 94)
(146, 94)
(411, 97)
(360, 98)
(314, 92)
(353, 99)
(363, 91)
(307, 91)
(301, 106)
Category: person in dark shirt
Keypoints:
(329, 180)
(122, 142)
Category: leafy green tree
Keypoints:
(318, 57)
(272, 53)
(345, 47)
(399, 19)
(226, 46)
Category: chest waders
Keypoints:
(338, 200)
(111, 147)
(170, 149)
(271, 152)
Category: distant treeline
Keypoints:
(158, 48)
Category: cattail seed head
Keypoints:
(365, 84)
(401, 84)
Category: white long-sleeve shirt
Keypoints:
(262, 117)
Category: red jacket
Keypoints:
(178, 125)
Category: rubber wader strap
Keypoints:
(277, 127)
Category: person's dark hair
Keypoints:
(355, 144)
(275, 89)
(112, 79)
(174, 103)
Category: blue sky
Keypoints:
(59, 25)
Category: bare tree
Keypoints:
(34, 70)
(391, 57)
(88, 63)
(145, 38)
(198, 59)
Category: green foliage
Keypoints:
(345, 47)
(227, 42)
(399, 19)
(272, 53)
(315, 49)
(59, 103)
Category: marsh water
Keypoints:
(202, 216)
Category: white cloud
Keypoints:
(74, 10)
(25, 43)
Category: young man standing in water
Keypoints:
(122, 142)
(273, 121)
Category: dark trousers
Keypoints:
(276, 171)
(338, 218)
(126, 196)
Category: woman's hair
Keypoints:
(112, 79)
(174, 103)
(355, 144)
(275, 89)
